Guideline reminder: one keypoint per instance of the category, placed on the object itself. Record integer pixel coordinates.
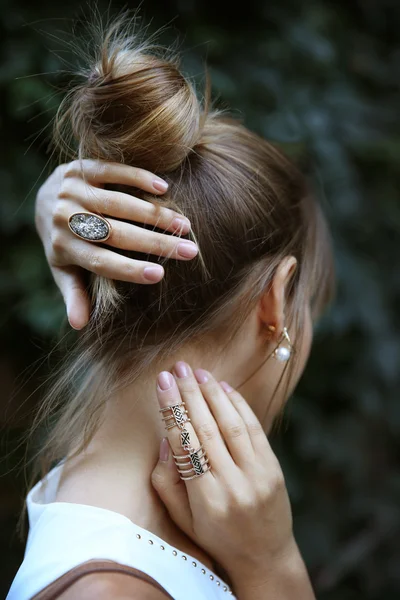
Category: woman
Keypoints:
(210, 515)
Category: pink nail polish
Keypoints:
(201, 376)
(164, 450)
(181, 369)
(187, 249)
(160, 185)
(165, 381)
(180, 225)
(226, 387)
(154, 273)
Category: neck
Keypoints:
(125, 450)
(114, 472)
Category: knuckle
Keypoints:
(137, 175)
(255, 428)
(109, 205)
(59, 213)
(206, 431)
(94, 262)
(279, 480)
(160, 245)
(188, 385)
(218, 511)
(102, 168)
(157, 479)
(64, 189)
(131, 270)
(275, 483)
(71, 169)
(57, 241)
(237, 398)
(239, 503)
(234, 430)
(117, 238)
(166, 215)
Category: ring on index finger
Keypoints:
(89, 226)
(191, 462)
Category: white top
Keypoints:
(63, 535)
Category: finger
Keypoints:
(202, 418)
(257, 434)
(229, 420)
(107, 263)
(172, 491)
(125, 206)
(130, 237)
(76, 299)
(168, 395)
(101, 172)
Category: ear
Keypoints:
(272, 303)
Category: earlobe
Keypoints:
(284, 349)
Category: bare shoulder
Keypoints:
(121, 586)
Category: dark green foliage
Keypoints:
(322, 78)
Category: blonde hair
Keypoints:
(249, 207)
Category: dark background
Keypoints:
(322, 78)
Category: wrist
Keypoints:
(284, 577)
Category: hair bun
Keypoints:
(135, 107)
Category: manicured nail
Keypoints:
(165, 381)
(154, 274)
(187, 249)
(164, 450)
(226, 387)
(160, 185)
(181, 225)
(201, 376)
(181, 369)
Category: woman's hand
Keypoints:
(79, 187)
(239, 511)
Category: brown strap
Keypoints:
(58, 586)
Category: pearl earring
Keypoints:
(282, 353)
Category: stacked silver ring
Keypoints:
(195, 460)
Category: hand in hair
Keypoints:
(80, 186)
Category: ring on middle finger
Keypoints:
(194, 461)
(89, 226)
(178, 417)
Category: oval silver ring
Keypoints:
(89, 226)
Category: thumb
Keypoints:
(76, 299)
(171, 489)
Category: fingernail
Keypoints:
(164, 450)
(201, 376)
(154, 274)
(187, 249)
(181, 225)
(160, 185)
(226, 387)
(165, 381)
(181, 369)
